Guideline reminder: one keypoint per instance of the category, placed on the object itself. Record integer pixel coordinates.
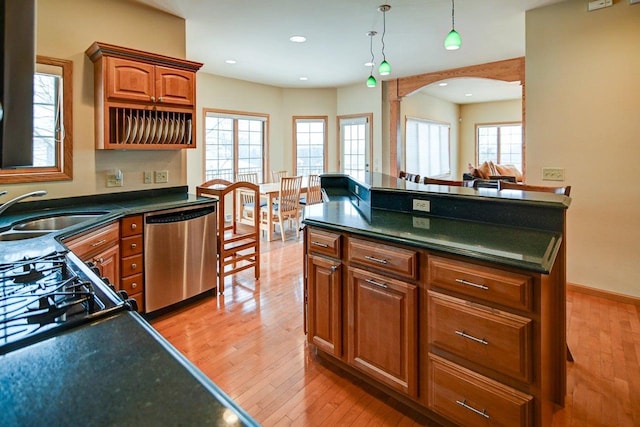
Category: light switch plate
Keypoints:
(599, 4)
(421, 205)
(552, 174)
(147, 177)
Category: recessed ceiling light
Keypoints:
(468, 94)
(443, 84)
(298, 39)
(230, 61)
(303, 78)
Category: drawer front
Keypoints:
(131, 265)
(490, 284)
(325, 243)
(132, 284)
(131, 245)
(94, 241)
(139, 297)
(131, 225)
(491, 338)
(470, 399)
(398, 261)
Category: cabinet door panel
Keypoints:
(107, 261)
(383, 329)
(325, 304)
(130, 80)
(175, 86)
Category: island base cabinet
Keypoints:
(325, 310)
(382, 330)
(470, 399)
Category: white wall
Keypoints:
(582, 106)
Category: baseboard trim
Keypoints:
(627, 299)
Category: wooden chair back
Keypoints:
(289, 196)
(314, 192)
(505, 185)
(251, 177)
(427, 180)
(276, 175)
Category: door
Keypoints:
(355, 144)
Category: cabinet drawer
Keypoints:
(131, 265)
(398, 261)
(94, 241)
(131, 245)
(491, 338)
(132, 284)
(131, 225)
(470, 399)
(490, 284)
(325, 243)
(139, 297)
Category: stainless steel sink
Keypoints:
(55, 223)
(21, 235)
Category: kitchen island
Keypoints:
(450, 299)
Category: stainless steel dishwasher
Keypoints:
(179, 254)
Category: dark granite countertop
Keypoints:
(529, 249)
(116, 371)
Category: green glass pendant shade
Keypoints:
(384, 68)
(453, 40)
(371, 81)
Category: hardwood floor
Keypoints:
(251, 343)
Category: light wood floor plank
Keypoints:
(250, 342)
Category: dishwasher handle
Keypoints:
(180, 216)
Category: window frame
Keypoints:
(325, 145)
(63, 170)
(499, 125)
(237, 115)
(368, 119)
(429, 122)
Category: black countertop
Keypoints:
(116, 371)
(529, 249)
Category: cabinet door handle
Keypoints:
(160, 99)
(374, 283)
(374, 259)
(98, 260)
(322, 245)
(463, 403)
(334, 268)
(475, 285)
(472, 338)
(153, 99)
(98, 243)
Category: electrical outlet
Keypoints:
(421, 205)
(147, 177)
(115, 178)
(598, 4)
(161, 177)
(552, 174)
(419, 222)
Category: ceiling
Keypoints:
(255, 33)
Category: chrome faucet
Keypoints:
(3, 192)
(6, 205)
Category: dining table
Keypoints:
(269, 191)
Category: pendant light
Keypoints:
(371, 81)
(453, 40)
(384, 68)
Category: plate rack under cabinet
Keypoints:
(143, 101)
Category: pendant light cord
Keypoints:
(384, 30)
(453, 14)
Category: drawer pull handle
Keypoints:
(134, 285)
(334, 268)
(98, 260)
(463, 403)
(374, 283)
(475, 285)
(98, 243)
(322, 245)
(472, 338)
(374, 259)
(134, 226)
(133, 246)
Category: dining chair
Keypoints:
(505, 185)
(287, 208)
(276, 175)
(247, 199)
(454, 183)
(314, 193)
(238, 247)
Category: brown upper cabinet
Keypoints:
(142, 100)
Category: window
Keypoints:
(355, 142)
(310, 143)
(427, 148)
(234, 143)
(500, 143)
(52, 124)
